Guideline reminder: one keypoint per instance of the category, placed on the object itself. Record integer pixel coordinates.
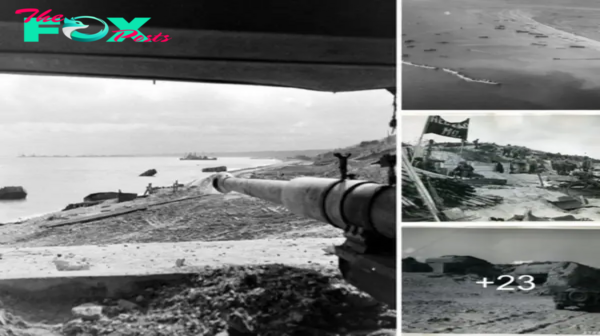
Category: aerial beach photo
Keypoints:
(500, 167)
(500, 281)
(500, 54)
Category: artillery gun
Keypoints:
(365, 211)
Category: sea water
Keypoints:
(53, 183)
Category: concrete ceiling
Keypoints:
(324, 45)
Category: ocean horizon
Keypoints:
(54, 182)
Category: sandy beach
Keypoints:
(434, 303)
(441, 297)
(532, 50)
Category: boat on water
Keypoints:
(193, 156)
(103, 196)
(13, 193)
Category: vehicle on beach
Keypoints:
(586, 184)
(214, 169)
(573, 297)
(193, 156)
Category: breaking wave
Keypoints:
(453, 72)
(420, 65)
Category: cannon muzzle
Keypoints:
(366, 211)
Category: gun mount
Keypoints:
(366, 211)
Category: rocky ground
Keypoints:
(433, 303)
(259, 300)
(266, 300)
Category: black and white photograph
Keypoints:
(198, 168)
(500, 281)
(500, 167)
(500, 54)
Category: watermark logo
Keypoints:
(71, 26)
(36, 26)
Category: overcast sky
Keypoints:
(566, 134)
(504, 245)
(48, 115)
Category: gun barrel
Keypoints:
(344, 204)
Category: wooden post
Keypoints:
(421, 189)
(427, 155)
(418, 147)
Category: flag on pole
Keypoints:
(437, 125)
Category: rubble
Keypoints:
(529, 217)
(245, 300)
(149, 172)
(11, 325)
(88, 311)
(126, 305)
(569, 203)
(450, 192)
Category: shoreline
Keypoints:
(194, 213)
(452, 72)
(198, 212)
(188, 186)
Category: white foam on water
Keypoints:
(420, 65)
(454, 73)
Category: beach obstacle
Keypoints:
(148, 189)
